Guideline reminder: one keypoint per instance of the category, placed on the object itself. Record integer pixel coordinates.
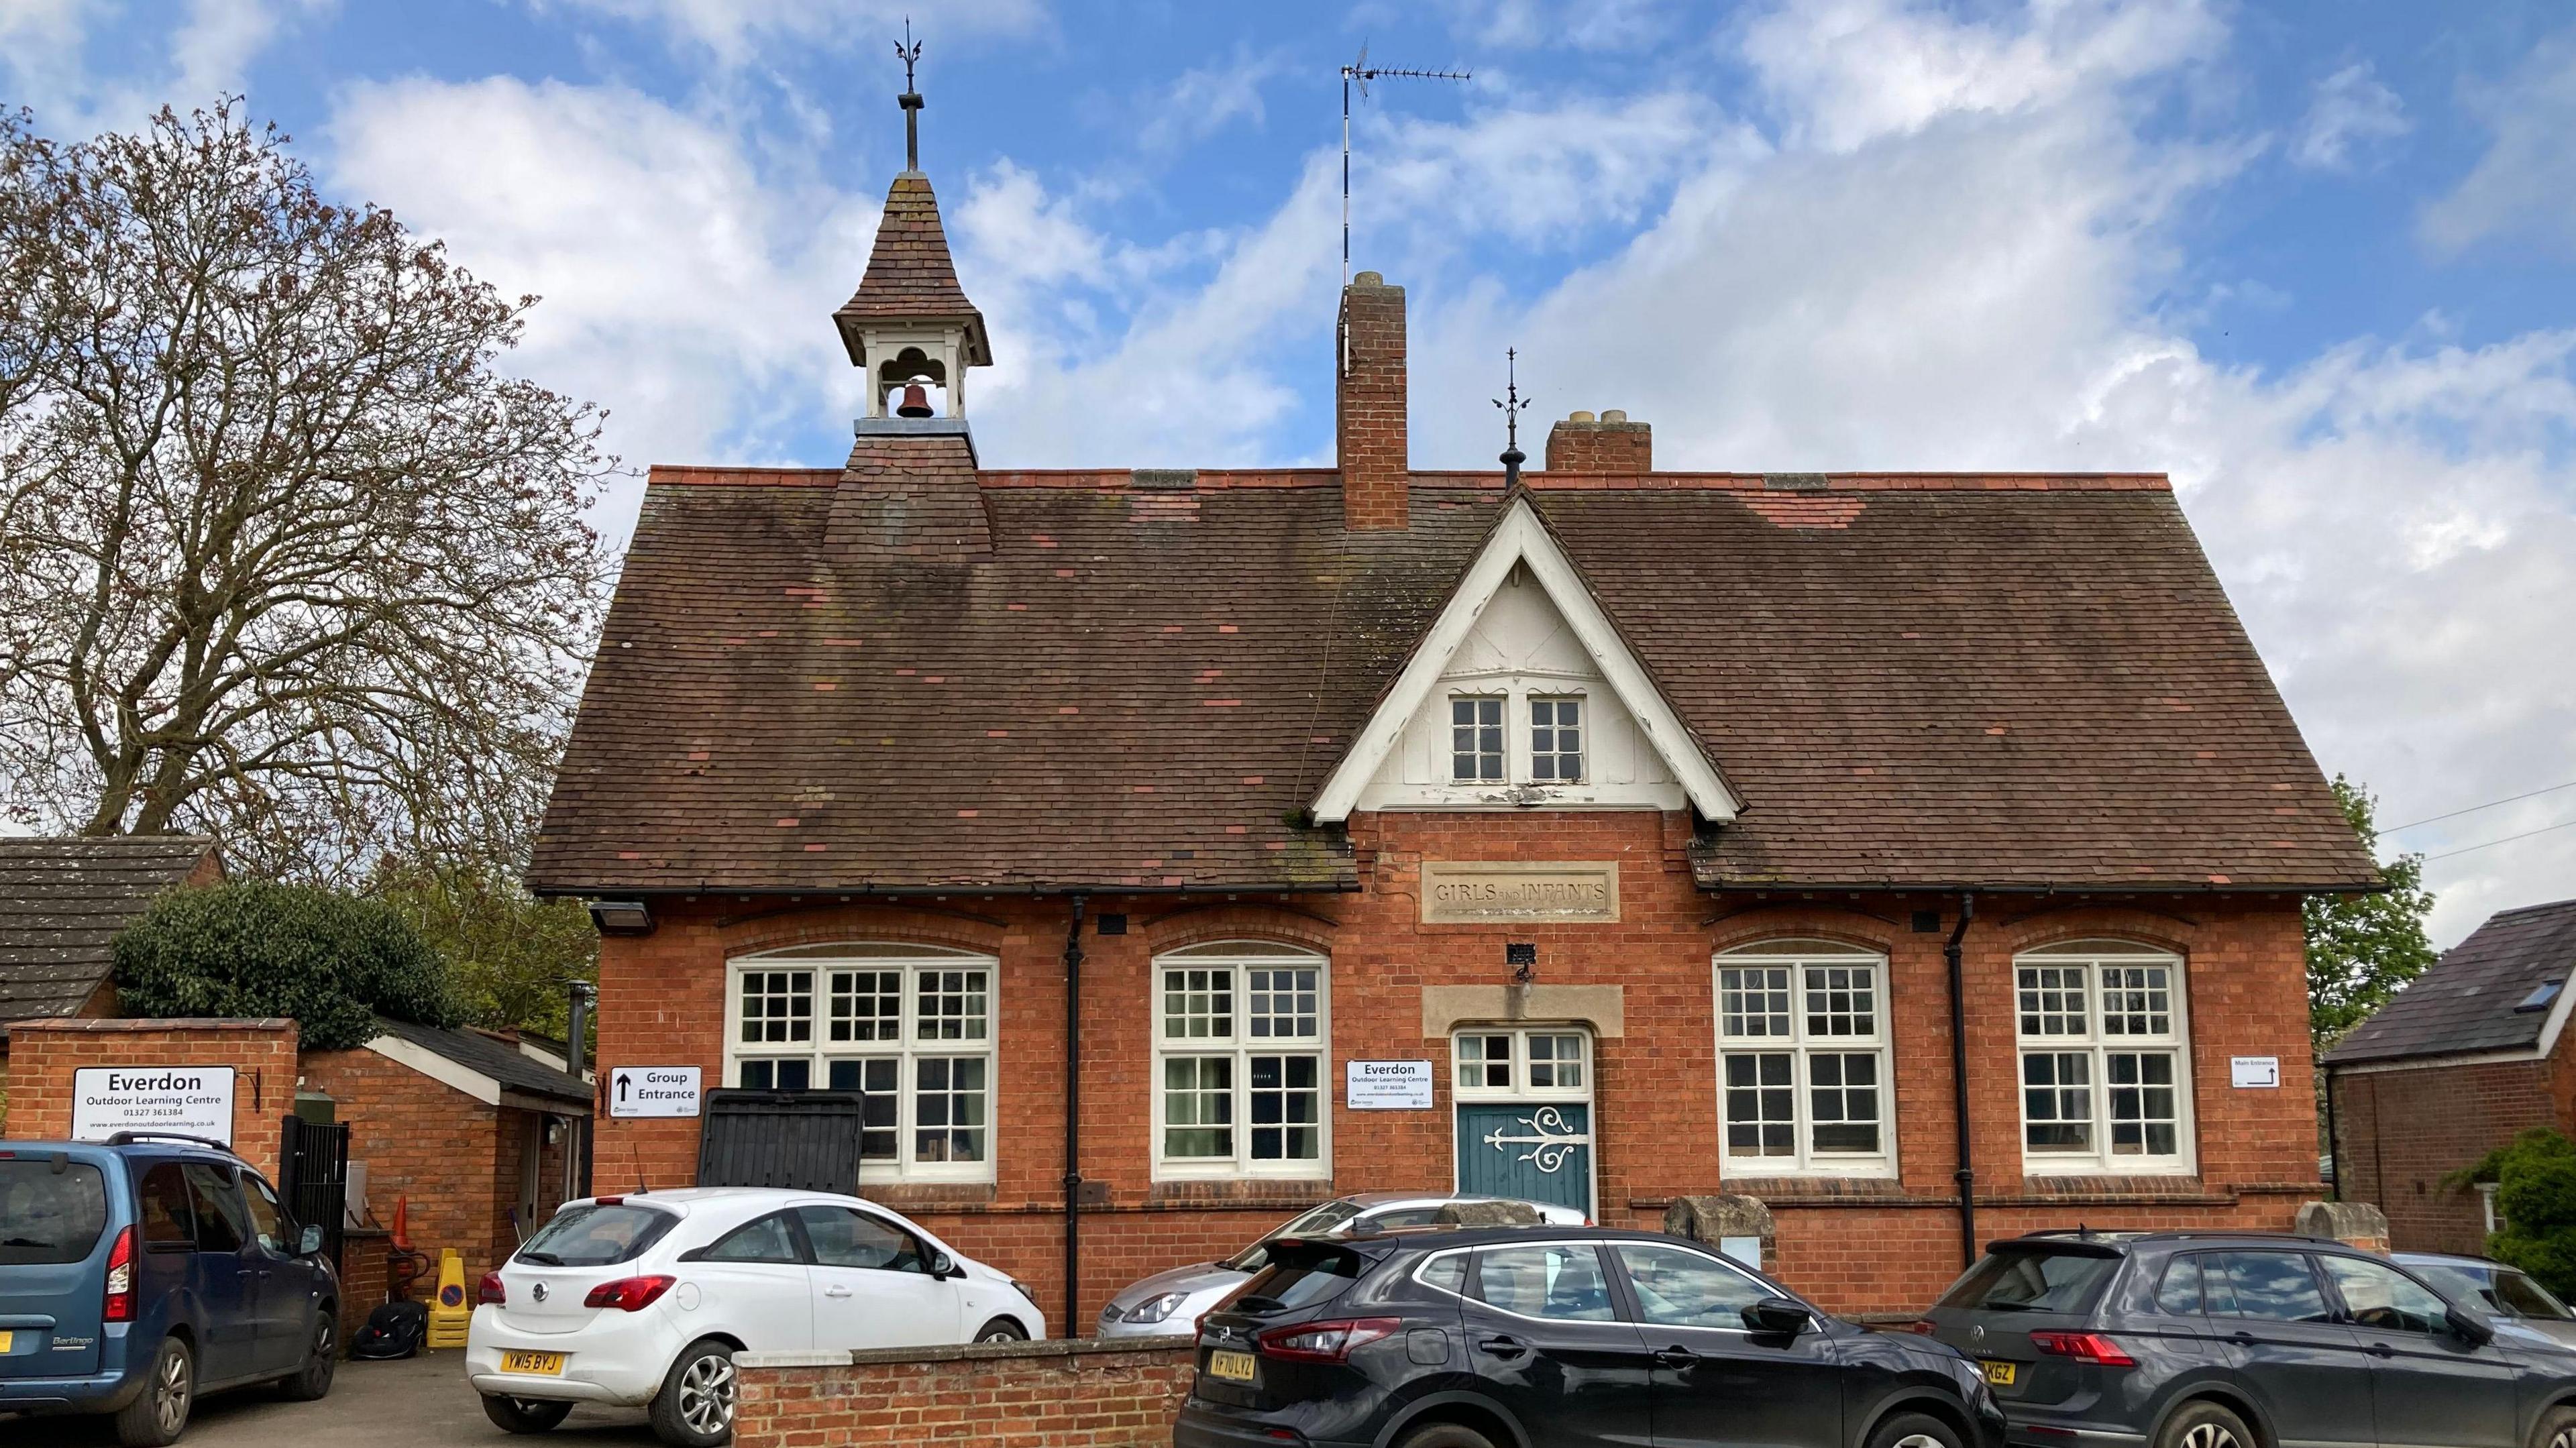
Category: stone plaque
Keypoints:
(1500, 892)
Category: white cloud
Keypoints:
(2520, 188)
(206, 55)
(2351, 113)
(1208, 98)
(734, 32)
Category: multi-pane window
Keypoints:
(1239, 1043)
(1556, 740)
(1494, 1062)
(1802, 1060)
(1476, 739)
(2103, 1074)
(907, 1029)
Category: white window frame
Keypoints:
(1240, 957)
(907, 1049)
(1582, 727)
(2097, 1044)
(1516, 692)
(1519, 1087)
(1803, 1046)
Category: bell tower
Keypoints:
(909, 326)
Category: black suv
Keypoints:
(2202, 1340)
(1533, 1337)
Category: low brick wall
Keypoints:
(45, 1055)
(1076, 1394)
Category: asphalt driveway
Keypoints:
(421, 1402)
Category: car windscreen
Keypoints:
(596, 1234)
(2032, 1281)
(50, 1213)
(1300, 1274)
(2499, 1288)
(1312, 1223)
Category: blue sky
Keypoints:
(2317, 261)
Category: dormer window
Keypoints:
(1476, 739)
(1556, 740)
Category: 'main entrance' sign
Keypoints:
(1460, 892)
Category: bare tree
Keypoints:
(284, 556)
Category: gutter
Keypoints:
(829, 893)
(1072, 1120)
(1966, 1175)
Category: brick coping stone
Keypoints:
(151, 1024)
(963, 1352)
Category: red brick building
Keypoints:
(2456, 1065)
(1186, 847)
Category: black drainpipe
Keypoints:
(1072, 1122)
(2334, 1142)
(1966, 1176)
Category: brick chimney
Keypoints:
(1368, 406)
(1609, 443)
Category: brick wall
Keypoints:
(456, 1159)
(1858, 1247)
(2398, 1133)
(1369, 406)
(1609, 443)
(1031, 1395)
(43, 1055)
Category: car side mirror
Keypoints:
(1778, 1315)
(943, 1266)
(309, 1243)
(2470, 1330)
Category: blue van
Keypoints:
(139, 1272)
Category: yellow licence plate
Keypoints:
(1232, 1366)
(7, 1338)
(1999, 1374)
(541, 1364)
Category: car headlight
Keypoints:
(1155, 1309)
(1025, 1290)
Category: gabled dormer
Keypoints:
(1523, 695)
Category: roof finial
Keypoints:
(1512, 456)
(908, 50)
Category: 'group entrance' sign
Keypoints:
(653, 1091)
(188, 1100)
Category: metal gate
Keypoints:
(313, 1171)
(805, 1140)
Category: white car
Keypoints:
(1170, 1302)
(642, 1301)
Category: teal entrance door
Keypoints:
(1524, 1107)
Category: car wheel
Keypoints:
(1002, 1329)
(320, 1362)
(524, 1415)
(1922, 1430)
(1445, 1435)
(695, 1407)
(159, 1414)
(2556, 1429)
(2204, 1424)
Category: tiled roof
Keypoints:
(2013, 681)
(910, 274)
(500, 1060)
(62, 902)
(2468, 1000)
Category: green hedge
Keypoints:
(332, 962)
(2535, 1181)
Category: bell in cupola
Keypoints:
(916, 400)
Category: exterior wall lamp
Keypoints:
(621, 917)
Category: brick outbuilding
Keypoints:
(2457, 1064)
(1152, 853)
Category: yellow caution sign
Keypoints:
(449, 1312)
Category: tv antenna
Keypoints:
(1362, 72)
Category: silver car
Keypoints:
(1170, 1302)
(2504, 1291)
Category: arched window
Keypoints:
(1804, 1079)
(1242, 1043)
(2105, 1059)
(907, 1027)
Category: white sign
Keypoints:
(188, 1100)
(2255, 1071)
(1747, 1250)
(653, 1091)
(1386, 1085)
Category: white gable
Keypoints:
(1522, 627)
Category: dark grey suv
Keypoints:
(2200, 1340)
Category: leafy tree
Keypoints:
(331, 961)
(285, 556)
(2535, 1180)
(509, 955)
(2363, 948)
